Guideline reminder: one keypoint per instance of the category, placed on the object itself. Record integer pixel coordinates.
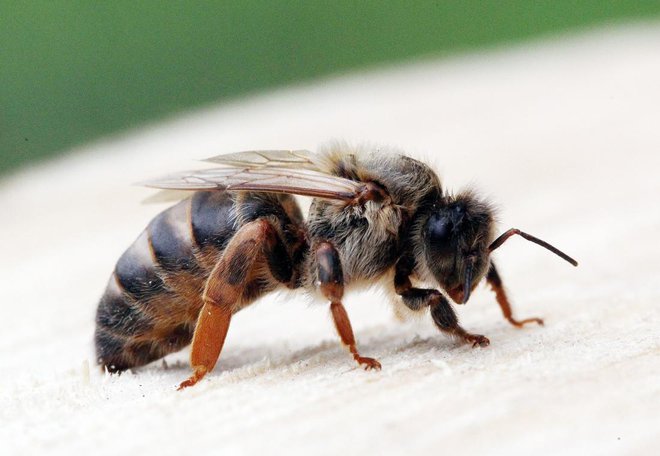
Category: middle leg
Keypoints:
(332, 286)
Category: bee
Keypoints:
(241, 234)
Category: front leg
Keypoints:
(331, 279)
(445, 318)
(441, 311)
(495, 282)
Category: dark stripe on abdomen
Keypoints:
(136, 273)
(212, 218)
(170, 238)
(118, 315)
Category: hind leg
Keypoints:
(255, 242)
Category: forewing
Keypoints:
(293, 159)
(278, 180)
(166, 196)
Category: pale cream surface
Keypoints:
(563, 135)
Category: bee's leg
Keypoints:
(441, 312)
(445, 318)
(224, 288)
(495, 282)
(414, 298)
(209, 337)
(331, 278)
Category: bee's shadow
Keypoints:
(280, 355)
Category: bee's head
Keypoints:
(457, 235)
(458, 238)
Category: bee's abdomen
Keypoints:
(136, 271)
(212, 219)
(120, 325)
(171, 240)
(120, 315)
(151, 304)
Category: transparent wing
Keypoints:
(278, 180)
(293, 159)
(166, 196)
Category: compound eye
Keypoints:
(439, 229)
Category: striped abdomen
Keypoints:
(152, 300)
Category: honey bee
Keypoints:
(241, 234)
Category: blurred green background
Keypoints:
(71, 71)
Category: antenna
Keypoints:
(500, 240)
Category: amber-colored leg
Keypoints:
(210, 334)
(495, 282)
(255, 241)
(343, 325)
(332, 286)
